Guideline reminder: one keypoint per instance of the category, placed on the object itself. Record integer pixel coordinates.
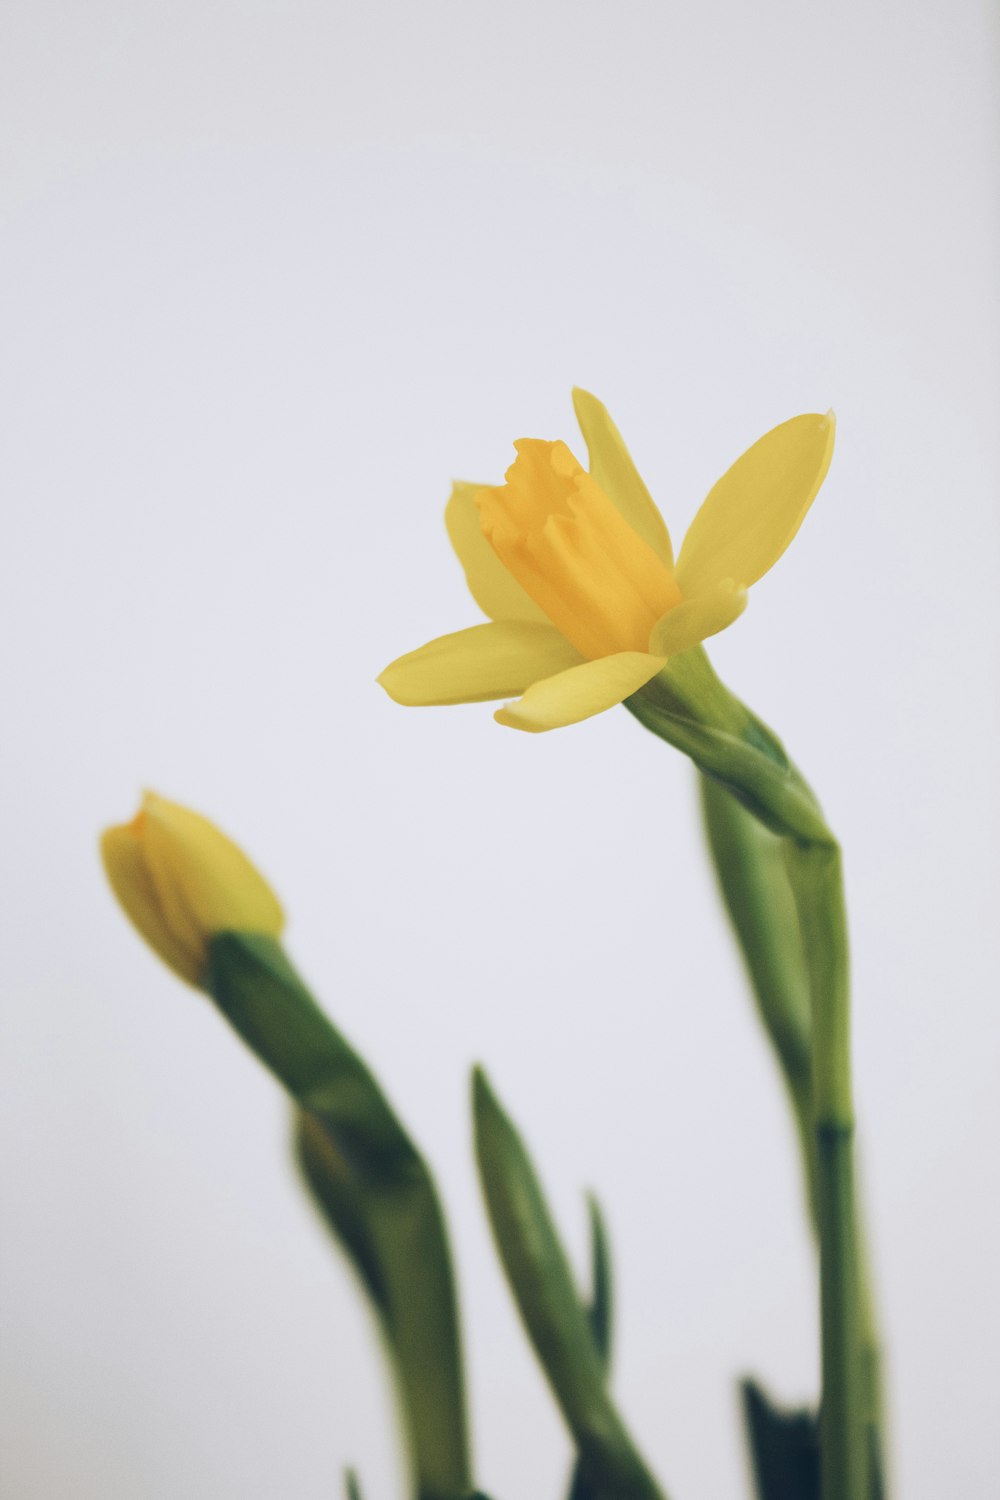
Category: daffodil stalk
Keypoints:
(588, 609)
(210, 915)
(688, 707)
(753, 876)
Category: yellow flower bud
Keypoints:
(181, 881)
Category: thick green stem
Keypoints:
(689, 707)
(871, 1371)
(817, 884)
(814, 871)
(842, 1445)
(756, 886)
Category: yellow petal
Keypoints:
(751, 515)
(612, 467)
(497, 593)
(580, 692)
(471, 666)
(129, 877)
(205, 883)
(696, 619)
(571, 549)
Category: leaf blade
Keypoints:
(554, 1317)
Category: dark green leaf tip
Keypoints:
(784, 1446)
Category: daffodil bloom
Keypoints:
(181, 882)
(576, 571)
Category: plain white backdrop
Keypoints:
(273, 275)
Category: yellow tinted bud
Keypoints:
(180, 881)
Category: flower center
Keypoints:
(570, 548)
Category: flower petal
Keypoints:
(471, 666)
(205, 882)
(497, 593)
(612, 467)
(751, 515)
(580, 692)
(132, 883)
(696, 619)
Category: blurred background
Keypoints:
(274, 274)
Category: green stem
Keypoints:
(842, 1449)
(374, 1186)
(689, 707)
(817, 884)
(754, 880)
(871, 1370)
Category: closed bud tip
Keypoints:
(181, 881)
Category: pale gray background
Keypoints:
(273, 275)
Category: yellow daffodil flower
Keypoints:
(181, 881)
(576, 571)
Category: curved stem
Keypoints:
(756, 887)
(689, 707)
(375, 1189)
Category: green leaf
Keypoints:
(753, 878)
(599, 1314)
(784, 1447)
(601, 1307)
(373, 1187)
(752, 873)
(351, 1485)
(554, 1317)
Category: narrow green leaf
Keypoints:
(753, 879)
(351, 1485)
(601, 1309)
(373, 1186)
(784, 1447)
(599, 1314)
(553, 1314)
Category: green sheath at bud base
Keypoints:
(373, 1186)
